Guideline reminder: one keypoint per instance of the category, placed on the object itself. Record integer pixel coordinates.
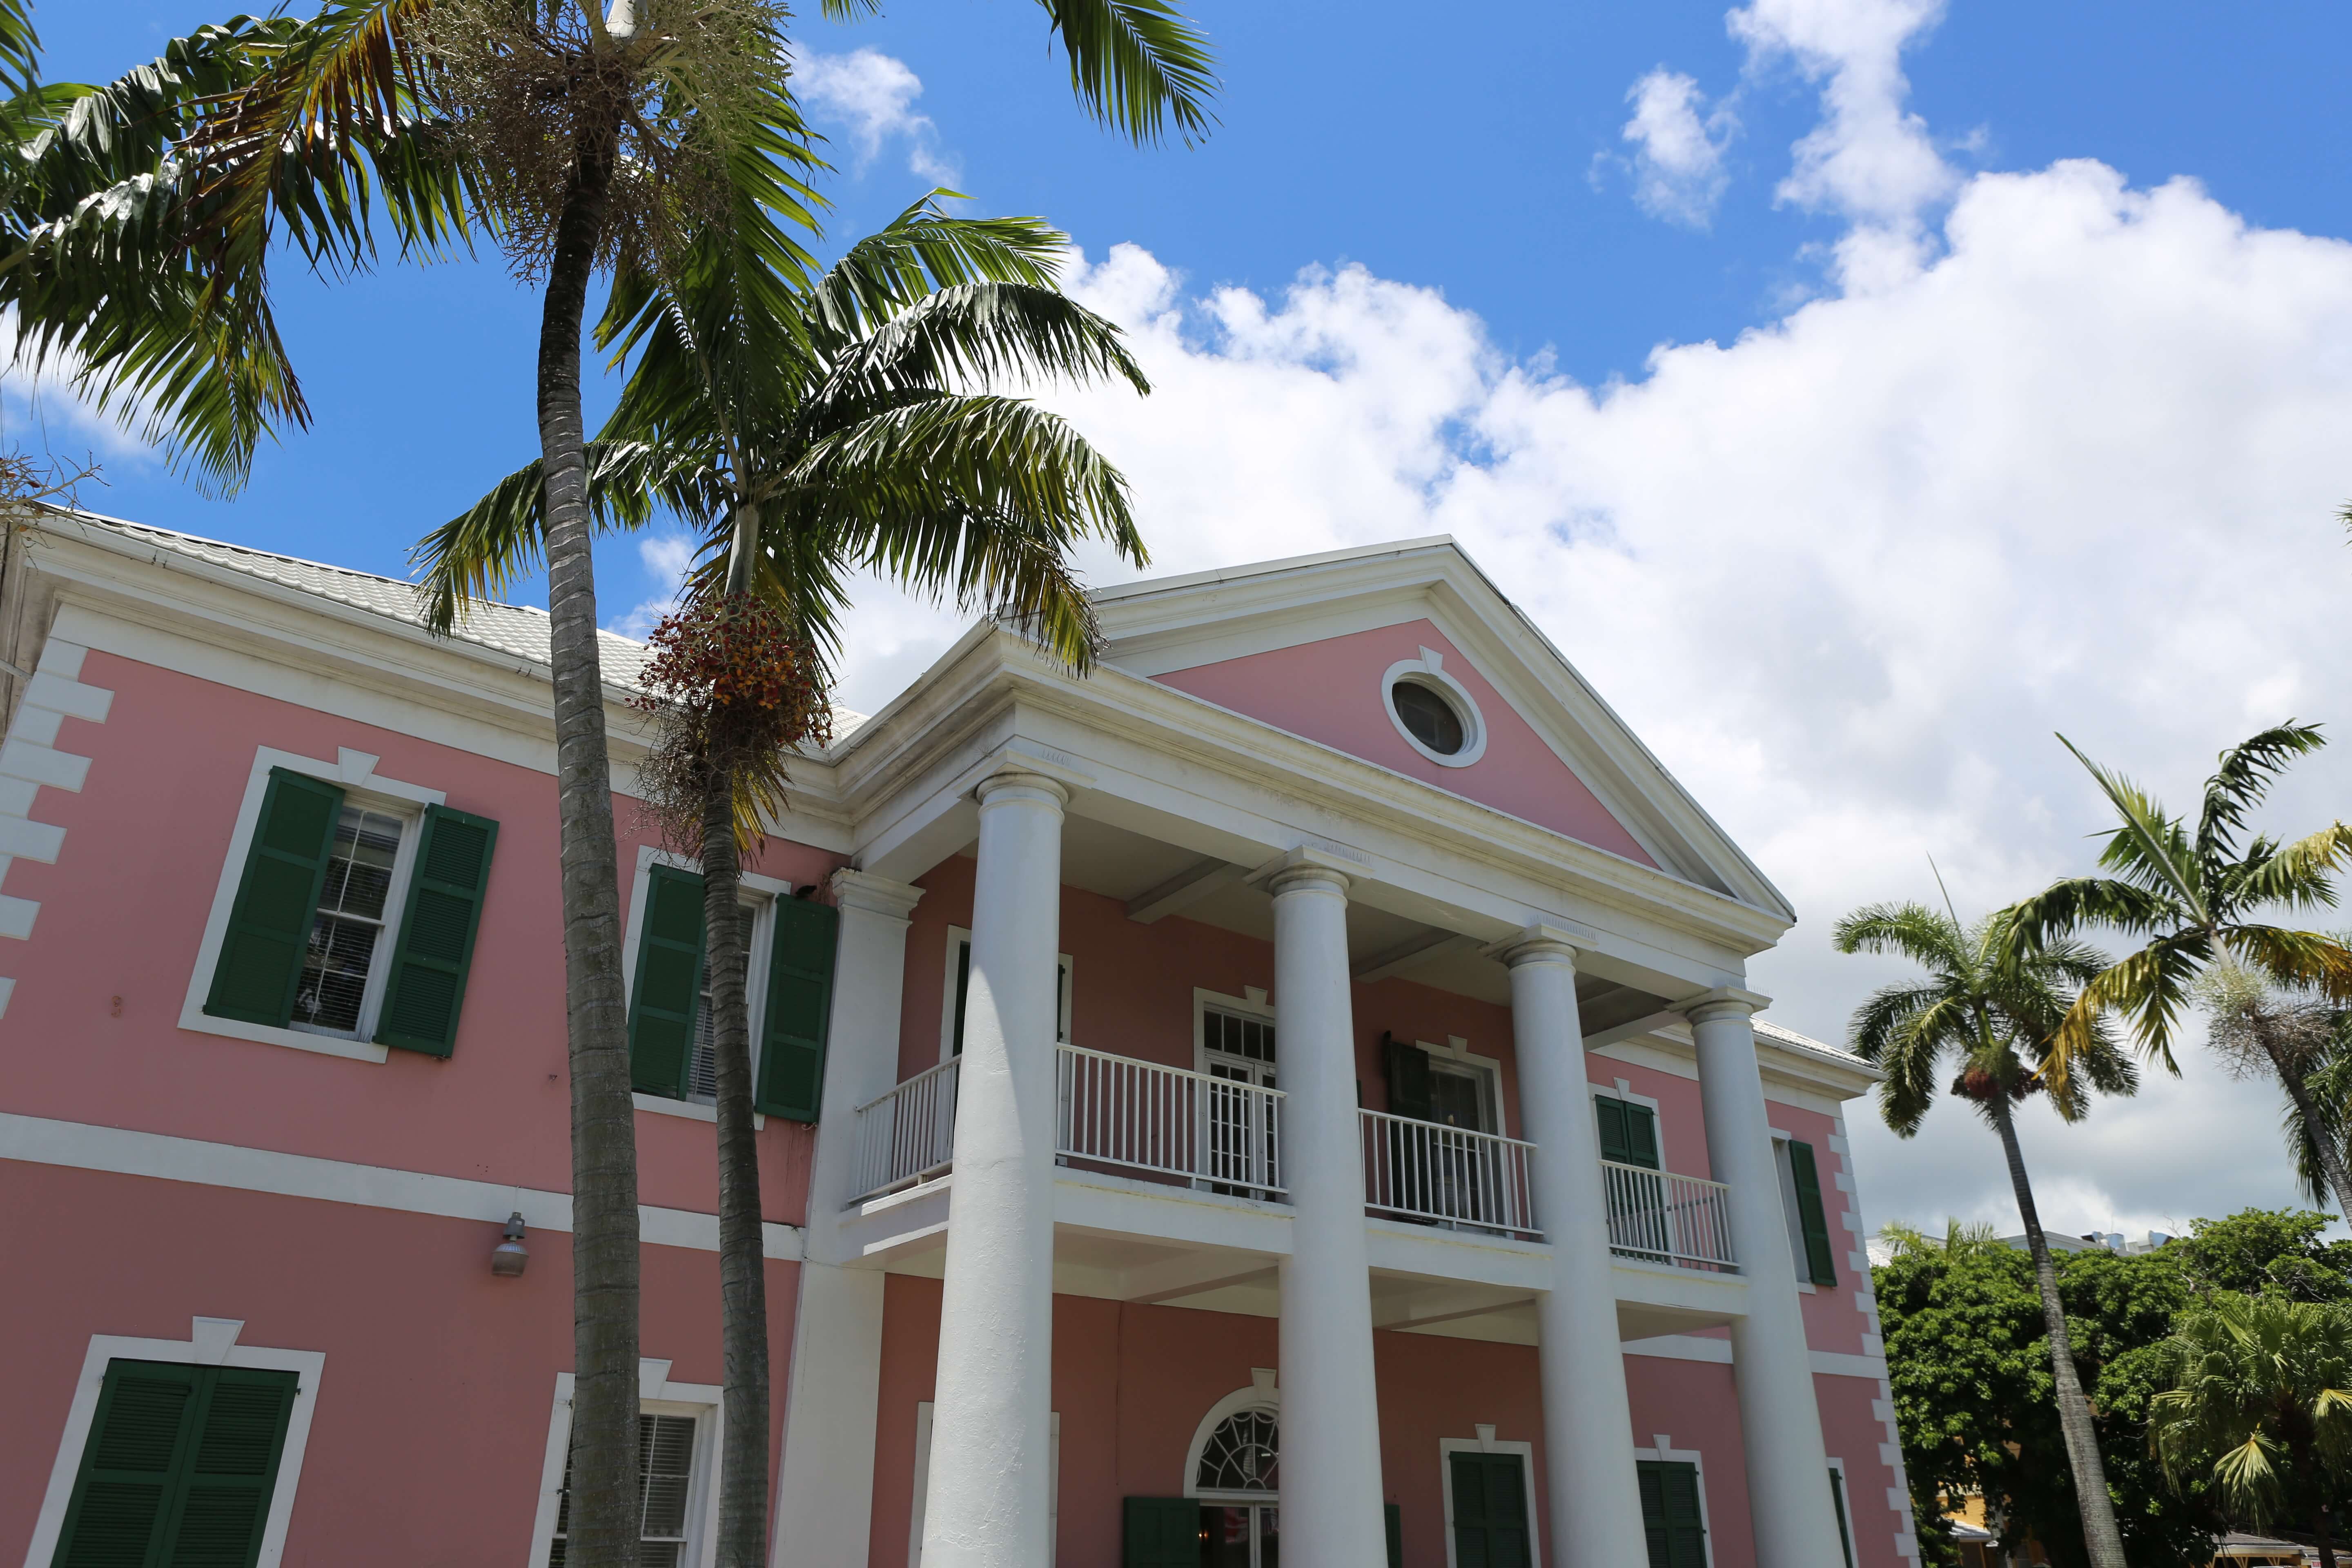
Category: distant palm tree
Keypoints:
(2261, 1402)
(1990, 1011)
(811, 434)
(2196, 897)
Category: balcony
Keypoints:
(1177, 1127)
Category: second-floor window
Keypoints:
(340, 967)
(960, 993)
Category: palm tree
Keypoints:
(2261, 1399)
(574, 136)
(2194, 897)
(1991, 1010)
(805, 446)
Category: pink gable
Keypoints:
(1330, 692)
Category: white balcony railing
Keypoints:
(1428, 1171)
(1668, 1218)
(1171, 1121)
(907, 1135)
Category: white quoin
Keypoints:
(1331, 1511)
(1588, 1457)
(989, 1503)
(1789, 1495)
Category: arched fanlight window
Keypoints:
(1243, 1455)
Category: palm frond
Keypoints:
(2244, 776)
(1138, 66)
(2298, 875)
(2073, 902)
(2148, 849)
(1913, 930)
(2296, 958)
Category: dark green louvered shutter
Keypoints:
(261, 961)
(1670, 1514)
(1629, 1132)
(1160, 1532)
(1811, 1219)
(1490, 1511)
(1408, 1070)
(663, 1002)
(963, 992)
(1837, 1501)
(800, 1003)
(1392, 1520)
(179, 1469)
(435, 946)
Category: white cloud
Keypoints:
(2074, 470)
(667, 557)
(873, 94)
(1677, 162)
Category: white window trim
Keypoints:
(1661, 1448)
(1252, 1004)
(1799, 1264)
(1489, 1069)
(923, 1478)
(1064, 1001)
(1486, 1442)
(211, 1341)
(354, 773)
(1429, 669)
(768, 891)
(1622, 1088)
(1261, 1394)
(657, 1395)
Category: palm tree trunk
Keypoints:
(601, 1531)
(742, 1266)
(2101, 1537)
(2314, 1127)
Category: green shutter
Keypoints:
(179, 1469)
(1670, 1514)
(1837, 1501)
(1392, 1520)
(261, 961)
(963, 992)
(663, 1001)
(1408, 1070)
(435, 946)
(1629, 1132)
(1810, 1217)
(1490, 1512)
(1160, 1532)
(800, 1003)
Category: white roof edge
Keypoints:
(1145, 586)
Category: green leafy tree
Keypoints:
(1987, 1013)
(2261, 1403)
(143, 220)
(2195, 893)
(2272, 1252)
(810, 434)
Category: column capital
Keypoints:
(870, 894)
(1017, 784)
(1723, 1002)
(1305, 865)
(1543, 943)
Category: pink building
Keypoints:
(1294, 1092)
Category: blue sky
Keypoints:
(1858, 391)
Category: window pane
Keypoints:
(666, 1482)
(359, 873)
(702, 1072)
(335, 973)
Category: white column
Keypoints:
(988, 1505)
(1596, 1504)
(824, 1485)
(1331, 1412)
(1779, 1424)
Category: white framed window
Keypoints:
(212, 1343)
(1465, 1090)
(1622, 1089)
(1842, 1499)
(677, 1490)
(1662, 1453)
(1233, 1469)
(756, 911)
(955, 994)
(1434, 712)
(1486, 1443)
(923, 1486)
(348, 958)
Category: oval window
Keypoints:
(1429, 718)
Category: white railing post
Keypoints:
(1668, 1218)
(1171, 1121)
(1428, 1171)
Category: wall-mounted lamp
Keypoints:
(508, 1258)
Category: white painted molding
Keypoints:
(1429, 669)
(1692, 1347)
(1486, 1442)
(29, 760)
(658, 1395)
(80, 1146)
(211, 1341)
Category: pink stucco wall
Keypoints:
(430, 1430)
(1331, 690)
(92, 1030)
(1132, 1383)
